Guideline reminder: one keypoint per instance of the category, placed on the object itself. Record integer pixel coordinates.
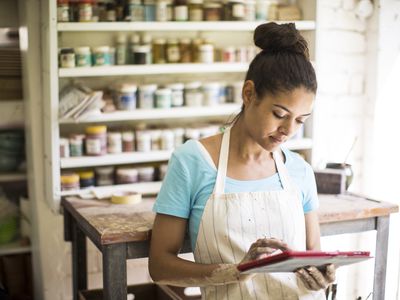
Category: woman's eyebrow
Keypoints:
(284, 108)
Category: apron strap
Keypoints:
(219, 187)
(282, 170)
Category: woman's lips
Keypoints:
(276, 140)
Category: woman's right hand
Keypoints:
(263, 248)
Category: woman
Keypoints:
(241, 195)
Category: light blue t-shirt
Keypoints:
(191, 176)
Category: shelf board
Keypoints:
(153, 69)
(14, 248)
(144, 188)
(11, 177)
(175, 26)
(299, 144)
(157, 114)
(114, 159)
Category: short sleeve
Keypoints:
(310, 195)
(174, 196)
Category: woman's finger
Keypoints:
(273, 243)
(330, 273)
(308, 280)
(318, 277)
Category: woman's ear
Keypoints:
(248, 92)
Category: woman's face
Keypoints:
(274, 119)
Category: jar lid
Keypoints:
(164, 92)
(96, 129)
(141, 49)
(86, 174)
(193, 85)
(69, 178)
(175, 86)
(104, 170)
(101, 49)
(148, 87)
(128, 88)
(66, 50)
(159, 41)
(82, 50)
(122, 38)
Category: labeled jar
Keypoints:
(143, 141)
(149, 10)
(136, 10)
(211, 92)
(133, 41)
(261, 10)
(193, 94)
(96, 140)
(206, 53)
(121, 51)
(228, 54)
(155, 139)
(173, 53)
(235, 10)
(142, 54)
(167, 140)
(126, 97)
(250, 10)
(83, 57)
(146, 174)
(196, 10)
(181, 10)
(114, 142)
(196, 43)
(176, 94)
(67, 58)
(64, 147)
(69, 181)
(146, 96)
(170, 10)
(63, 11)
(126, 175)
(76, 144)
(185, 49)
(159, 51)
(162, 11)
(179, 134)
(111, 13)
(128, 141)
(86, 179)
(85, 10)
(104, 176)
(241, 54)
(163, 98)
(101, 56)
(213, 11)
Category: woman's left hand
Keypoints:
(315, 279)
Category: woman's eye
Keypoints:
(278, 116)
(300, 121)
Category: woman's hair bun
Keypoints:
(274, 38)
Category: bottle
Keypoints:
(121, 49)
(133, 42)
(181, 10)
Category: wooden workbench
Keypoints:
(122, 232)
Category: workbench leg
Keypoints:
(114, 272)
(382, 239)
(79, 265)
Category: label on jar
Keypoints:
(93, 146)
(100, 59)
(68, 60)
(181, 13)
(196, 15)
(173, 54)
(238, 10)
(63, 13)
(83, 60)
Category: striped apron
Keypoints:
(232, 222)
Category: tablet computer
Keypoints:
(290, 261)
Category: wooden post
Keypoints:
(114, 272)
(79, 264)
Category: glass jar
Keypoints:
(142, 54)
(96, 140)
(173, 53)
(114, 142)
(185, 49)
(83, 57)
(136, 11)
(101, 56)
(69, 181)
(163, 98)
(126, 97)
(149, 10)
(211, 92)
(85, 10)
(181, 10)
(206, 53)
(213, 11)
(67, 58)
(86, 179)
(162, 11)
(177, 94)
(146, 96)
(159, 51)
(170, 10)
(128, 141)
(104, 176)
(63, 11)
(235, 10)
(76, 144)
(196, 10)
(193, 94)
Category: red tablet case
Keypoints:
(290, 261)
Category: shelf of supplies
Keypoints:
(114, 159)
(157, 114)
(299, 144)
(11, 177)
(144, 188)
(175, 26)
(14, 248)
(153, 69)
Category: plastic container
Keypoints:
(146, 174)
(96, 140)
(143, 141)
(193, 94)
(69, 182)
(67, 58)
(126, 175)
(76, 144)
(104, 176)
(146, 96)
(211, 92)
(177, 94)
(261, 10)
(206, 53)
(86, 179)
(126, 97)
(192, 134)
(83, 57)
(228, 54)
(241, 54)
(163, 98)
(114, 142)
(101, 56)
(196, 10)
(133, 41)
(128, 141)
